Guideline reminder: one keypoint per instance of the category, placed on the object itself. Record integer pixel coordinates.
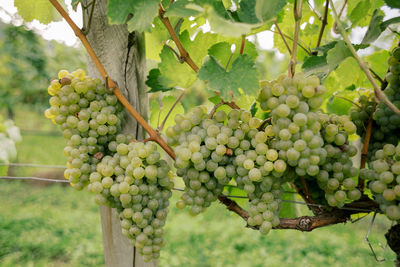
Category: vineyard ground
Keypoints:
(58, 226)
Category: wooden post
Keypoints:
(123, 55)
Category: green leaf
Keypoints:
(215, 99)
(74, 4)
(160, 108)
(226, 27)
(42, 10)
(240, 196)
(267, 9)
(253, 108)
(350, 88)
(118, 10)
(374, 28)
(337, 54)
(247, 12)
(183, 8)
(359, 11)
(392, 3)
(222, 51)
(314, 64)
(154, 83)
(243, 75)
(144, 12)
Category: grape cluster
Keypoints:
(388, 121)
(384, 176)
(337, 176)
(295, 128)
(89, 116)
(138, 184)
(204, 154)
(360, 115)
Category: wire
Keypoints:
(34, 178)
(33, 165)
(182, 190)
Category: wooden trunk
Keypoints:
(123, 55)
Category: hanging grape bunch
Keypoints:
(338, 176)
(138, 184)
(89, 117)
(384, 180)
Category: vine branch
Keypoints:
(323, 25)
(297, 8)
(282, 36)
(309, 223)
(378, 92)
(170, 110)
(183, 53)
(110, 83)
(242, 44)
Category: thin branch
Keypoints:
(110, 83)
(297, 8)
(229, 61)
(242, 44)
(376, 76)
(232, 104)
(348, 100)
(378, 92)
(86, 30)
(308, 196)
(282, 36)
(324, 23)
(178, 23)
(364, 151)
(300, 43)
(340, 14)
(170, 110)
(181, 60)
(184, 54)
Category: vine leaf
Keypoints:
(153, 81)
(144, 12)
(226, 27)
(247, 12)
(359, 11)
(222, 51)
(267, 9)
(182, 8)
(377, 26)
(42, 10)
(392, 3)
(243, 75)
(74, 4)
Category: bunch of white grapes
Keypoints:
(384, 176)
(89, 116)
(295, 129)
(138, 184)
(338, 176)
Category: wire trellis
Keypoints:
(181, 190)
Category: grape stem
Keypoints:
(170, 110)
(282, 36)
(378, 92)
(110, 83)
(263, 123)
(297, 8)
(308, 197)
(232, 104)
(242, 44)
(300, 43)
(323, 25)
(184, 55)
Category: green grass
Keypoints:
(58, 226)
